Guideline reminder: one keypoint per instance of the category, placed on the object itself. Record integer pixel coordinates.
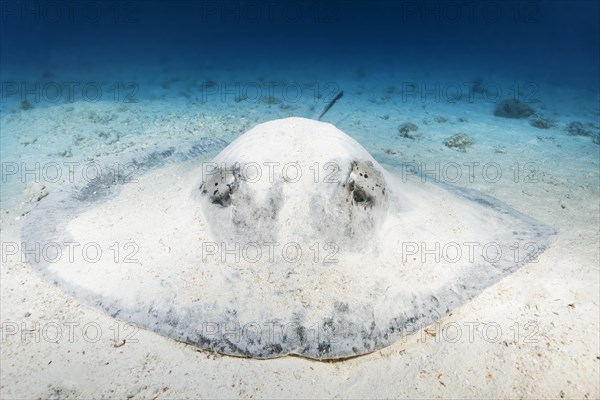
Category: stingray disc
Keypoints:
(292, 240)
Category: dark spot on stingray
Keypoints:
(300, 333)
(484, 202)
(328, 324)
(324, 348)
(275, 349)
(222, 201)
(340, 307)
(98, 188)
(205, 146)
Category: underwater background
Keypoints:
(533, 41)
(499, 96)
(555, 40)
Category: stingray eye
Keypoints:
(359, 195)
(220, 186)
(364, 183)
(222, 198)
(221, 195)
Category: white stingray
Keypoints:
(292, 240)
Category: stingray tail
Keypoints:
(330, 104)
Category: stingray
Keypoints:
(291, 240)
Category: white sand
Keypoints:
(548, 312)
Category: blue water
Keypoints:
(552, 40)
